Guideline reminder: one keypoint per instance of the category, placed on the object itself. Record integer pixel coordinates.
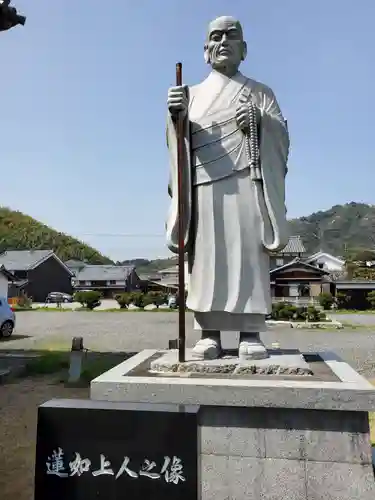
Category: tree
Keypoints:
(89, 299)
(364, 273)
(350, 268)
(21, 232)
(356, 265)
(363, 256)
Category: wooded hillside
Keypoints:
(339, 230)
(21, 232)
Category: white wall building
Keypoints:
(170, 276)
(5, 277)
(326, 261)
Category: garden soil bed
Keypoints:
(19, 401)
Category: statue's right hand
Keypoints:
(178, 101)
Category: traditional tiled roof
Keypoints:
(301, 263)
(104, 272)
(294, 246)
(23, 260)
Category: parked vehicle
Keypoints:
(172, 301)
(7, 318)
(58, 297)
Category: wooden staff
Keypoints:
(181, 232)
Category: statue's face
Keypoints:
(225, 47)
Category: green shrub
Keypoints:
(276, 308)
(287, 312)
(313, 314)
(284, 311)
(139, 299)
(371, 299)
(301, 314)
(124, 300)
(89, 299)
(342, 300)
(326, 300)
(157, 298)
(24, 302)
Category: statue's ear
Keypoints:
(206, 55)
(244, 51)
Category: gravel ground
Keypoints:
(18, 417)
(134, 331)
(356, 319)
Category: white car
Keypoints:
(7, 318)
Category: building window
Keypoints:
(112, 282)
(82, 282)
(279, 262)
(98, 283)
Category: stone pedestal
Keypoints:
(264, 436)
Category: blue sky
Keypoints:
(84, 89)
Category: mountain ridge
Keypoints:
(338, 230)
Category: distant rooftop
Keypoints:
(91, 272)
(294, 245)
(23, 260)
(73, 263)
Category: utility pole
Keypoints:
(9, 17)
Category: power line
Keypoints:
(120, 235)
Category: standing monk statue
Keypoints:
(236, 150)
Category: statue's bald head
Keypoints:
(225, 47)
(224, 21)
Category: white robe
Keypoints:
(229, 228)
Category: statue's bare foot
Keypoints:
(251, 347)
(209, 347)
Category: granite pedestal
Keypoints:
(266, 437)
(92, 450)
(275, 364)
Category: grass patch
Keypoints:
(356, 326)
(352, 311)
(51, 309)
(57, 362)
(48, 363)
(114, 309)
(85, 309)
